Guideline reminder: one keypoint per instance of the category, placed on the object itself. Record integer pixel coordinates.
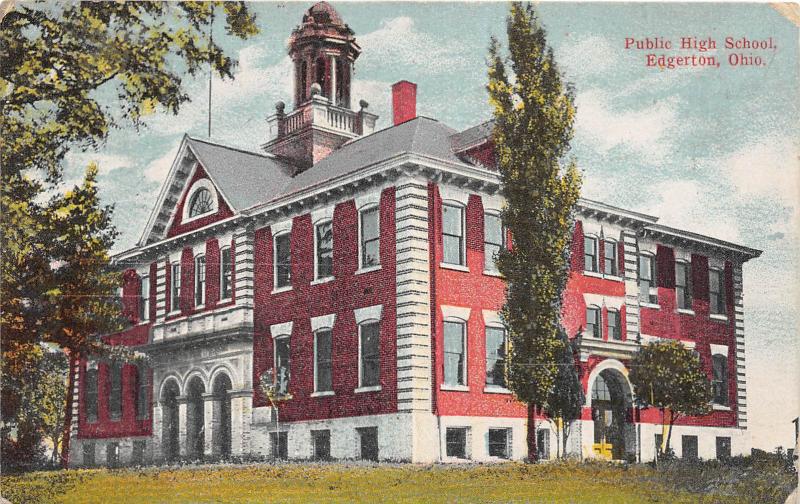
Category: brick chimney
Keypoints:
(404, 101)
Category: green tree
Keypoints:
(70, 73)
(534, 115)
(668, 376)
(38, 388)
(565, 402)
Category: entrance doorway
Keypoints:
(195, 419)
(610, 402)
(169, 425)
(222, 416)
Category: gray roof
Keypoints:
(420, 135)
(472, 136)
(245, 178)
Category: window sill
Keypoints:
(613, 278)
(174, 313)
(494, 389)
(456, 267)
(454, 388)
(720, 407)
(224, 300)
(322, 280)
(278, 290)
(493, 274)
(718, 316)
(199, 307)
(323, 393)
(373, 388)
(592, 274)
(684, 311)
(361, 271)
(650, 305)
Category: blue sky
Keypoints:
(709, 150)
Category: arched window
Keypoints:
(90, 401)
(610, 262)
(614, 325)
(303, 81)
(590, 250)
(322, 75)
(202, 202)
(720, 380)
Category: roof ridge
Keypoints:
(231, 147)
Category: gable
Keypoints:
(182, 221)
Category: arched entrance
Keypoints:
(611, 401)
(195, 419)
(222, 415)
(169, 422)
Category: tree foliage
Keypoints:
(534, 114)
(566, 399)
(37, 387)
(668, 376)
(70, 72)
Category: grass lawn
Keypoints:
(342, 482)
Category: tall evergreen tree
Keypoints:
(534, 114)
(566, 398)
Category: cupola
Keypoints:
(323, 50)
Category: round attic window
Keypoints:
(202, 202)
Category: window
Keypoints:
(115, 390)
(370, 237)
(493, 240)
(614, 325)
(719, 383)
(499, 443)
(456, 441)
(202, 202)
(283, 261)
(88, 453)
(683, 285)
(282, 364)
(323, 240)
(279, 444)
(723, 448)
(144, 300)
(593, 321)
(454, 353)
(689, 447)
(716, 292)
(543, 444)
(175, 296)
(137, 457)
(368, 442)
(200, 280)
(322, 361)
(112, 454)
(590, 254)
(91, 396)
(453, 234)
(225, 273)
(610, 263)
(369, 341)
(647, 276)
(496, 356)
(322, 444)
(141, 392)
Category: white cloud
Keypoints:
(644, 132)
(587, 56)
(766, 168)
(688, 204)
(398, 41)
(158, 169)
(106, 162)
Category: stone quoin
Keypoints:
(355, 267)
